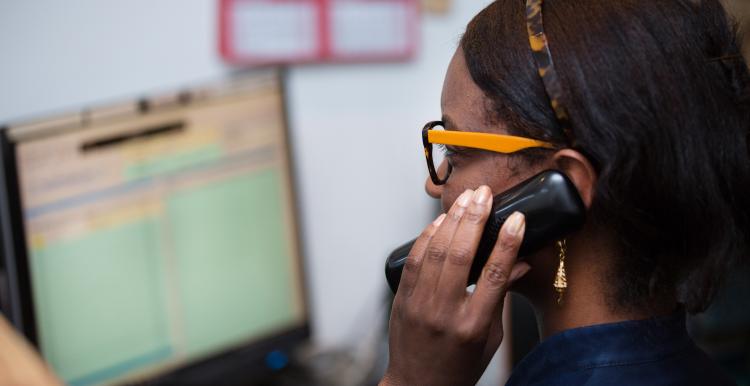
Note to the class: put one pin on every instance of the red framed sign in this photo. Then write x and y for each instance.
(260, 32)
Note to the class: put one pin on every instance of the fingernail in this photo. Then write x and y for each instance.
(464, 198)
(439, 220)
(482, 194)
(515, 222)
(518, 271)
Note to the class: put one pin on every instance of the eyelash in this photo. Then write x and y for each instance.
(445, 149)
(452, 155)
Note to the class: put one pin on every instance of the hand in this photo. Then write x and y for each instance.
(440, 334)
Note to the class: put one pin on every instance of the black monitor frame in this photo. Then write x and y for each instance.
(234, 366)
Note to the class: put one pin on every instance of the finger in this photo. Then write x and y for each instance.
(437, 249)
(463, 246)
(519, 270)
(410, 273)
(496, 274)
(495, 335)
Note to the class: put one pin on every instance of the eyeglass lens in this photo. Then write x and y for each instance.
(439, 153)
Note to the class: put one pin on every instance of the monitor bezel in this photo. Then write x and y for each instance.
(16, 293)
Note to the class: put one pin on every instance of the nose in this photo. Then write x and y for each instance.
(434, 191)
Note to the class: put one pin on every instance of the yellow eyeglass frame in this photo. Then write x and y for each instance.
(498, 143)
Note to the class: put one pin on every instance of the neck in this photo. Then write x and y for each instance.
(578, 310)
(588, 299)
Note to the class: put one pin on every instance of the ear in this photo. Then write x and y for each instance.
(580, 171)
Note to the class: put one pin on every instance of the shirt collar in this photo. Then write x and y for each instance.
(629, 342)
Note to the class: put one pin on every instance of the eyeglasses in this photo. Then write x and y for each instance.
(507, 144)
(498, 143)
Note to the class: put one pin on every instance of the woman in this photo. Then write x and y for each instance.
(643, 104)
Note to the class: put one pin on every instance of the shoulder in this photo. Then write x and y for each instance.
(690, 367)
(655, 351)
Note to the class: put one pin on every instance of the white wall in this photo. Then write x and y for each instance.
(355, 127)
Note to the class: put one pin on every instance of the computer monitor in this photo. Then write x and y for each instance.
(146, 238)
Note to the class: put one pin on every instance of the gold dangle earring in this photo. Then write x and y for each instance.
(561, 280)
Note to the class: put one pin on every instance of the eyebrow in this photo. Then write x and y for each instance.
(448, 123)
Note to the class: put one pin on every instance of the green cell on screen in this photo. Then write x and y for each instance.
(173, 162)
(99, 299)
(233, 260)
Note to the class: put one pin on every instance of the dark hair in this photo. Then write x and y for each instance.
(664, 122)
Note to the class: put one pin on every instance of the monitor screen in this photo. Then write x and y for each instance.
(163, 237)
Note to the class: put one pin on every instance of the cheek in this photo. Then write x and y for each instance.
(450, 194)
(494, 172)
(472, 177)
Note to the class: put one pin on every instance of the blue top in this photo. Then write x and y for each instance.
(655, 351)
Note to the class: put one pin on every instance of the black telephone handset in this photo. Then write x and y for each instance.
(553, 209)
